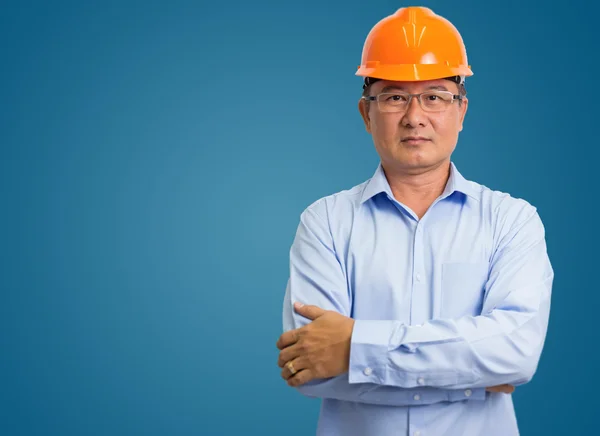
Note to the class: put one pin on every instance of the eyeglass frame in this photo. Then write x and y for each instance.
(455, 97)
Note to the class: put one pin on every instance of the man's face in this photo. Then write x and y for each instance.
(394, 132)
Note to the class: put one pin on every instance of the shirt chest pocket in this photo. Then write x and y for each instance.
(463, 288)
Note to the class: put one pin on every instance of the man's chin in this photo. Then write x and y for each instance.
(415, 163)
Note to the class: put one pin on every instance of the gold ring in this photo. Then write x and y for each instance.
(290, 368)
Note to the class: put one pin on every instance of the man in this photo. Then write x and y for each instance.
(426, 296)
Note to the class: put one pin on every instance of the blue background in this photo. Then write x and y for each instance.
(154, 163)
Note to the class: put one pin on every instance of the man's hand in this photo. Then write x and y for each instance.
(505, 389)
(320, 349)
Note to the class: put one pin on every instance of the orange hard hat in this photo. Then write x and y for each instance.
(414, 44)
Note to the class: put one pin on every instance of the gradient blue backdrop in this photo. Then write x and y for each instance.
(154, 163)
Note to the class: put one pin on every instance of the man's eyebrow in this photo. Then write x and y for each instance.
(400, 88)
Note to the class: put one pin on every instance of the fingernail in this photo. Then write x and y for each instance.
(298, 305)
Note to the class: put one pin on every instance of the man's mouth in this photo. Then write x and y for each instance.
(414, 140)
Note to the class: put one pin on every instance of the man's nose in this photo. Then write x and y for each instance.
(414, 115)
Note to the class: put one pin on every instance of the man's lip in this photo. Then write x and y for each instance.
(414, 138)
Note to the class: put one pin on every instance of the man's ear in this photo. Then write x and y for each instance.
(363, 108)
(463, 112)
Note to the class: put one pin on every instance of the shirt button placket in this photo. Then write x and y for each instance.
(420, 301)
(419, 310)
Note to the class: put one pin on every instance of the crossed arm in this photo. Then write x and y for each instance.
(388, 362)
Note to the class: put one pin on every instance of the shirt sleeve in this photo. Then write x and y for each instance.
(317, 278)
(502, 345)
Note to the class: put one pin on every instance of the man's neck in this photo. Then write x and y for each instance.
(418, 189)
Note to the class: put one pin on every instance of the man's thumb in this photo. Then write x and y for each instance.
(308, 311)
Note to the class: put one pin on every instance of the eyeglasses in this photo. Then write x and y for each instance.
(430, 101)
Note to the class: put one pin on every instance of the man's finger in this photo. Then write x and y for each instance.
(506, 389)
(288, 338)
(287, 354)
(308, 311)
(300, 378)
(292, 367)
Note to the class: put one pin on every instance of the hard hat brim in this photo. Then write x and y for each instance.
(413, 72)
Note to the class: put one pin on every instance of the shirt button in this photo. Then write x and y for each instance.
(417, 397)
(468, 392)
(417, 433)
(418, 277)
(368, 371)
(421, 381)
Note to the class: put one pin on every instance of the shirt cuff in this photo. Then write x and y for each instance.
(466, 394)
(369, 348)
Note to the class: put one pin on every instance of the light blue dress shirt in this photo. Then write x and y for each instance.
(444, 306)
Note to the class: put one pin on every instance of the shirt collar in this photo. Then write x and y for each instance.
(456, 183)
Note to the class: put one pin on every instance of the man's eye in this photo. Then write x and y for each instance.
(397, 98)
